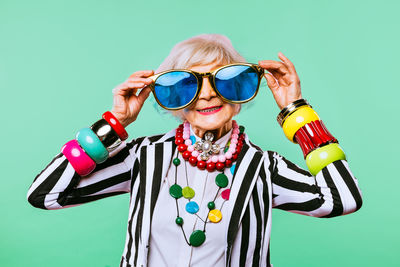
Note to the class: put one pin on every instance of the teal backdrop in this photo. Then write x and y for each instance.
(59, 61)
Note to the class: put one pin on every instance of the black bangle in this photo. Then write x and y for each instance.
(289, 109)
(108, 137)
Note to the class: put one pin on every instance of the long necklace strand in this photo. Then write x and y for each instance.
(198, 237)
(178, 220)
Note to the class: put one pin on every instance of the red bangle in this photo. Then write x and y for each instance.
(116, 125)
(313, 135)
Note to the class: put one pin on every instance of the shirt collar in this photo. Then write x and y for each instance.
(221, 141)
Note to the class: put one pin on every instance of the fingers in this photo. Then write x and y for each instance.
(274, 66)
(125, 88)
(143, 95)
(126, 101)
(271, 82)
(146, 81)
(287, 62)
(132, 85)
(142, 73)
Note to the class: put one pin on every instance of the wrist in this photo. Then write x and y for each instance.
(117, 124)
(121, 119)
(93, 145)
(290, 109)
(302, 125)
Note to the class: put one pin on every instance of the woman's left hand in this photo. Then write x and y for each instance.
(282, 79)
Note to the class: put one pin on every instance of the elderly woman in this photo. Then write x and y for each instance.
(202, 194)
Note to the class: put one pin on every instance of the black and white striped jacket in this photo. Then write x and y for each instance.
(262, 180)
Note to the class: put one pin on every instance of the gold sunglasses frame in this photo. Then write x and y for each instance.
(200, 75)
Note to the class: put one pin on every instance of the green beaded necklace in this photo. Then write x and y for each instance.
(197, 237)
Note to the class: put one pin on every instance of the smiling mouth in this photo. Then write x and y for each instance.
(209, 110)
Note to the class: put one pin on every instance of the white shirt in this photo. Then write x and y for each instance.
(167, 242)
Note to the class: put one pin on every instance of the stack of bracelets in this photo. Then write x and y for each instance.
(302, 125)
(93, 145)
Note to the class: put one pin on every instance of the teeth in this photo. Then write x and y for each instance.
(209, 109)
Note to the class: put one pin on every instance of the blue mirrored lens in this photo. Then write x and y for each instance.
(175, 89)
(237, 83)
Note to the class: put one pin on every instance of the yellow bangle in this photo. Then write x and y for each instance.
(298, 119)
(323, 156)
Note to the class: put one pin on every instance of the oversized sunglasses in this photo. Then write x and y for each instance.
(234, 83)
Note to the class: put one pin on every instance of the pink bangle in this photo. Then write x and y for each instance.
(116, 125)
(79, 160)
(313, 135)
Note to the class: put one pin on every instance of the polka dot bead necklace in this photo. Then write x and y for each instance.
(200, 154)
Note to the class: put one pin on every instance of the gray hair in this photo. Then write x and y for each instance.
(202, 49)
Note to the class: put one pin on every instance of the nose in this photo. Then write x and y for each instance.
(206, 91)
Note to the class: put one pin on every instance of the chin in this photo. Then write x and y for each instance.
(212, 123)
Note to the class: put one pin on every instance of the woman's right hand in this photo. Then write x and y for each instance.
(127, 104)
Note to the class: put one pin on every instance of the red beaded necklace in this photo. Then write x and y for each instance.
(191, 152)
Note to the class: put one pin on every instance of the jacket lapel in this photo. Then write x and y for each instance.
(244, 179)
(155, 161)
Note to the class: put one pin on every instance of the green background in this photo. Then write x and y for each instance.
(59, 61)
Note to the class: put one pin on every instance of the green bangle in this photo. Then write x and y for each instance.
(92, 145)
(323, 156)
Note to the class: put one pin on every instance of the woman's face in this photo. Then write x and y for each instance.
(209, 112)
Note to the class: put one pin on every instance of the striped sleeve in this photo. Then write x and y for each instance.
(334, 191)
(58, 186)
